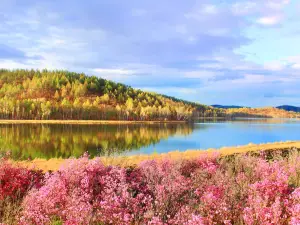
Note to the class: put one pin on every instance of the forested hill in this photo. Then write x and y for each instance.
(34, 94)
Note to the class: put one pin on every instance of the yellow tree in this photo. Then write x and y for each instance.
(129, 106)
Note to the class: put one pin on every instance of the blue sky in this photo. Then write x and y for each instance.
(213, 52)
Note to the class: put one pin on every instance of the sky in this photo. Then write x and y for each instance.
(208, 51)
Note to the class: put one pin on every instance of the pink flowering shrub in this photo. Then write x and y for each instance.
(169, 188)
(256, 188)
(85, 191)
(268, 198)
(186, 217)
(214, 205)
(16, 181)
(294, 208)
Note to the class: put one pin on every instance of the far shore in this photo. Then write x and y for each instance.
(88, 121)
(55, 163)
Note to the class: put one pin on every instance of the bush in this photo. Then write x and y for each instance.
(15, 182)
(240, 189)
(84, 192)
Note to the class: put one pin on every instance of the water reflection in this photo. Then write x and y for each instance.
(52, 141)
(49, 141)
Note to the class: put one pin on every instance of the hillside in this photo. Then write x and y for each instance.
(63, 95)
(270, 112)
(34, 94)
(289, 108)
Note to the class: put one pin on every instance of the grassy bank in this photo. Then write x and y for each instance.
(54, 164)
(85, 122)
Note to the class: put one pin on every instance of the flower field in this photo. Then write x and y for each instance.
(253, 188)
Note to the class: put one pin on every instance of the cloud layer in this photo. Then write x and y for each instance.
(226, 52)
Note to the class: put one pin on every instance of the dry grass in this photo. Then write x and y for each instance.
(9, 211)
(54, 164)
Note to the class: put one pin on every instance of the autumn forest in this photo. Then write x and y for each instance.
(63, 95)
(33, 94)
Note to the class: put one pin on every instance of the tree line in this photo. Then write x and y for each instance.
(44, 94)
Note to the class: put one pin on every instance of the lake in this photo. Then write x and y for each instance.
(28, 141)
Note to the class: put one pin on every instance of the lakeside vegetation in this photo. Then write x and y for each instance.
(96, 122)
(241, 189)
(133, 160)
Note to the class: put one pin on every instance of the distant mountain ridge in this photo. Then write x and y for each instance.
(284, 107)
(289, 108)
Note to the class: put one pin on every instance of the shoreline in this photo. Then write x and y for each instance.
(87, 122)
(55, 163)
(91, 122)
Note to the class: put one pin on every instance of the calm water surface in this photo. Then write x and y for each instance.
(48, 141)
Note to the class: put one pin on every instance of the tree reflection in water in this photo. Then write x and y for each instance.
(29, 141)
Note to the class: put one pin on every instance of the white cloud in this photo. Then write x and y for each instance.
(293, 61)
(244, 8)
(59, 41)
(117, 74)
(191, 39)
(113, 71)
(296, 66)
(168, 90)
(275, 65)
(202, 74)
(277, 4)
(269, 20)
(202, 11)
(10, 64)
(211, 65)
(261, 79)
(250, 78)
(31, 64)
(267, 12)
(209, 9)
